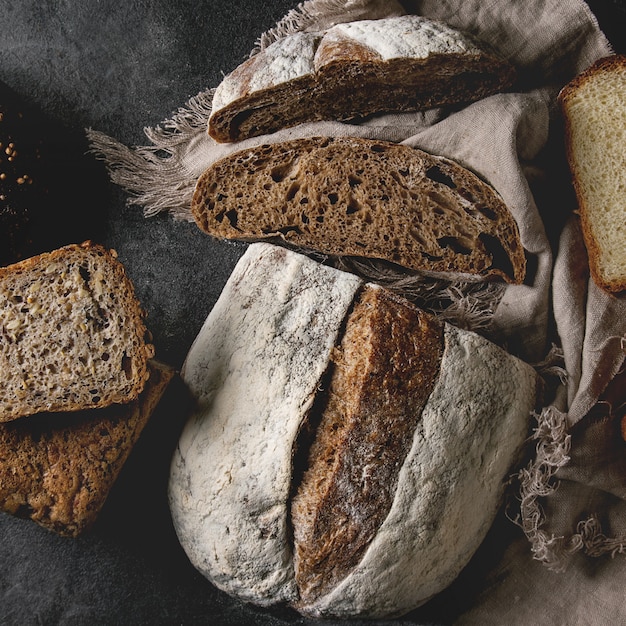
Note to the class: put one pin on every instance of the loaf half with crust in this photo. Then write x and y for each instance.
(72, 333)
(353, 70)
(361, 197)
(347, 452)
(58, 469)
(594, 111)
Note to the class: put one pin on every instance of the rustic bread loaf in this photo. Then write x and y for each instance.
(73, 333)
(352, 70)
(58, 469)
(347, 451)
(594, 111)
(359, 197)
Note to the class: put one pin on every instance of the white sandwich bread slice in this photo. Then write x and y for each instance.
(347, 452)
(347, 196)
(353, 70)
(594, 111)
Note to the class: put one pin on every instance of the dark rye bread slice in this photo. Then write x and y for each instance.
(353, 70)
(58, 469)
(365, 198)
(382, 375)
(72, 333)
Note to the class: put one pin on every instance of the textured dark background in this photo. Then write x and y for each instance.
(118, 67)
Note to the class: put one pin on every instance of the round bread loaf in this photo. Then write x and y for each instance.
(348, 452)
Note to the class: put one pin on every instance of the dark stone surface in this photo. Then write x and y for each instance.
(118, 67)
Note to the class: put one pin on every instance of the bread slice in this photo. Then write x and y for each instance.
(58, 469)
(594, 111)
(352, 70)
(415, 425)
(359, 197)
(72, 333)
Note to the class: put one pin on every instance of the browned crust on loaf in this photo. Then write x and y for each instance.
(352, 81)
(382, 375)
(137, 352)
(363, 198)
(58, 469)
(606, 64)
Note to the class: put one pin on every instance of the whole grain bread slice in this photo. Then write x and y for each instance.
(352, 70)
(58, 469)
(594, 111)
(363, 198)
(72, 333)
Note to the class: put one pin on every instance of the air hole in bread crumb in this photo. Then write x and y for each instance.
(127, 368)
(84, 274)
(455, 244)
(333, 198)
(499, 256)
(435, 174)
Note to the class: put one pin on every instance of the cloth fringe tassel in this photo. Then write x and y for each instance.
(537, 481)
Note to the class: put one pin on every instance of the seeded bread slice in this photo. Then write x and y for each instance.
(594, 110)
(353, 70)
(359, 197)
(72, 333)
(58, 469)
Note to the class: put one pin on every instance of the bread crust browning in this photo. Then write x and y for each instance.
(382, 374)
(353, 70)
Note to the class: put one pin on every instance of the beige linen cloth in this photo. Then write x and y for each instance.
(555, 554)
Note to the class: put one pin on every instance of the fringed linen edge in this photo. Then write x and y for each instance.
(152, 175)
(537, 480)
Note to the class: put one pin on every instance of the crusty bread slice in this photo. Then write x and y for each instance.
(72, 333)
(594, 111)
(352, 70)
(359, 197)
(58, 469)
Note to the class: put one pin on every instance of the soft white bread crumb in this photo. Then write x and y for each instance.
(594, 108)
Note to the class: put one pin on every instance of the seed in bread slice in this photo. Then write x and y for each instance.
(594, 111)
(72, 333)
(359, 197)
(352, 70)
(58, 469)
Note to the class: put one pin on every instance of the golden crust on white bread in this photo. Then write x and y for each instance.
(347, 452)
(352, 70)
(73, 333)
(348, 196)
(594, 111)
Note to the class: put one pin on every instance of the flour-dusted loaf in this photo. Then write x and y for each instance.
(360, 197)
(72, 333)
(347, 452)
(594, 111)
(58, 469)
(352, 70)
